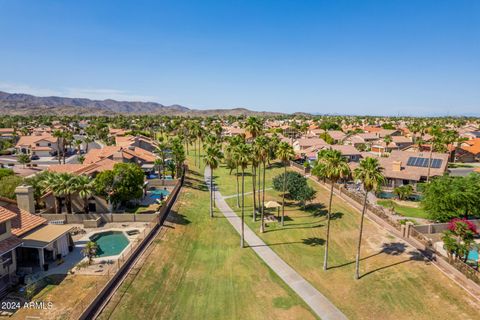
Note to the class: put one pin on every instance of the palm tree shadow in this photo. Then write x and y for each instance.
(391, 248)
(308, 241)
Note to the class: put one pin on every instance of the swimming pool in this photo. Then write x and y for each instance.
(158, 193)
(473, 255)
(110, 243)
(391, 195)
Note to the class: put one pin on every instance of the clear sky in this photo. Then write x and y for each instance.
(336, 57)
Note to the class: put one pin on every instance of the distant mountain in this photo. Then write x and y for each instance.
(25, 104)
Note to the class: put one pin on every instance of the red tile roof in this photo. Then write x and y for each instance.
(23, 221)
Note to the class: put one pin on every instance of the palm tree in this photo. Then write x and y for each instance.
(243, 157)
(388, 139)
(285, 153)
(90, 251)
(333, 166)
(85, 189)
(23, 159)
(254, 126)
(370, 173)
(263, 146)
(212, 158)
(60, 142)
(254, 158)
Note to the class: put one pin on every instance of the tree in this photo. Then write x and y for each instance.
(263, 146)
(84, 187)
(403, 192)
(445, 198)
(285, 153)
(8, 185)
(370, 173)
(123, 183)
(332, 166)
(459, 238)
(296, 186)
(242, 153)
(212, 157)
(90, 251)
(23, 159)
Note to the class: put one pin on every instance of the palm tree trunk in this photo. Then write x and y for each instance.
(243, 211)
(259, 187)
(325, 259)
(254, 182)
(57, 205)
(357, 260)
(283, 195)
(195, 153)
(429, 162)
(211, 192)
(262, 229)
(238, 192)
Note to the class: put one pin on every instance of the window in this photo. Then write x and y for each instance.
(49, 144)
(3, 228)
(37, 144)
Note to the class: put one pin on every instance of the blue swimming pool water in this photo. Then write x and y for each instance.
(110, 243)
(157, 193)
(390, 195)
(473, 255)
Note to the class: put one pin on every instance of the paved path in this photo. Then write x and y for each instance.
(315, 300)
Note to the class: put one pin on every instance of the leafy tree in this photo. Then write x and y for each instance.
(459, 238)
(445, 198)
(8, 185)
(370, 173)
(23, 159)
(4, 172)
(120, 185)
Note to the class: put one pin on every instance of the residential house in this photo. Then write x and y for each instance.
(7, 133)
(349, 152)
(468, 151)
(398, 143)
(302, 144)
(27, 242)
(139, 141)
(403, 168)
(42, 145)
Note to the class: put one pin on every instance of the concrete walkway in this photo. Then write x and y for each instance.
(312, 297)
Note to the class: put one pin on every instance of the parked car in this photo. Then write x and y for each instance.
(34, 157)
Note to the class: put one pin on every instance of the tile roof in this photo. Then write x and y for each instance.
(23, 221)
(31, 140)
(6, 214)
(472, 146)
(9, 244)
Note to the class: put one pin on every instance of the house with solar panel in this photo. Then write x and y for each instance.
(410, 168)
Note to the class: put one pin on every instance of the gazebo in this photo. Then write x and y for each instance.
(273, 204)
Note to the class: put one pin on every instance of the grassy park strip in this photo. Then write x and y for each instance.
(406, 211)
(396, 282)
(196, 269)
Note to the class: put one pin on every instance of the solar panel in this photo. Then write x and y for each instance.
(423, 162)
(437, 163)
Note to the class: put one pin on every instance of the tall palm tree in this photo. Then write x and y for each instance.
(212, 158)
(254, 158)
(370, 173)
(333, 166)
(60, 142)
(84, 187)
(285, 153)
(263, 146)
(254, 126)
(243, 158)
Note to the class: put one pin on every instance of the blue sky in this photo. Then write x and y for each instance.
(335, 57)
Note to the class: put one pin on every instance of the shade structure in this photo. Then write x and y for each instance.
(272, 204)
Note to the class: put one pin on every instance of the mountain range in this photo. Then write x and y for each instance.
(26, 104)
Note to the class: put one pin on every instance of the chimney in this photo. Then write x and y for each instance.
(25, 199)
(397, 166)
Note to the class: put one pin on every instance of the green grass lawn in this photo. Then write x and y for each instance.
(396, 283)
(406, 211)
(197, 270)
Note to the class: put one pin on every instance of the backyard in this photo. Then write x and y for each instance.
(196, 267)
(396, 282)
(404, 210)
